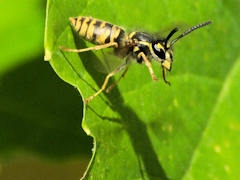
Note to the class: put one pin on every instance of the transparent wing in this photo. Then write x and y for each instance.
(165, 30)
(107, 61)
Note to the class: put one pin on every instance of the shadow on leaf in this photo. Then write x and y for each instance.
(133, 125)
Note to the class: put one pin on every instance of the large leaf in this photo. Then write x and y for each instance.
(143, 129)
(220, 142)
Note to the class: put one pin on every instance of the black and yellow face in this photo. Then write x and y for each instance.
(163, 53)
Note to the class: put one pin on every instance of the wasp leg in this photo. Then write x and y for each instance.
(115, 83)
(164, 77)
(123, 74)
(106, 81)
(148, 64)
(111, 44)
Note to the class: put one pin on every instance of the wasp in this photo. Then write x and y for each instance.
(140, 46)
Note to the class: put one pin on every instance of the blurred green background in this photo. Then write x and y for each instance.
(40, 115)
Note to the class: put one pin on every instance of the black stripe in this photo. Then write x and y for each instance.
(82, 19)
(107, 40)
(137, 52)
(108, 26)
(75, 21)
(90, 20)
(140, 60)
(96, 26)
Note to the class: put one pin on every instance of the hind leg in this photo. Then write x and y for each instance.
(106, 81)
(111, 44)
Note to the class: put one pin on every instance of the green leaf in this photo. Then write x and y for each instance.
(220, 142)
(144, 129)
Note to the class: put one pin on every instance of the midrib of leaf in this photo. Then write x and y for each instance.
(222, 92)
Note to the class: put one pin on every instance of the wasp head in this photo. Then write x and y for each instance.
(162, 51)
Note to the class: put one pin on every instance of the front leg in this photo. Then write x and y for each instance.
(148, 64)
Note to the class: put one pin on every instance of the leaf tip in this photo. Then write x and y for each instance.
(48, 55)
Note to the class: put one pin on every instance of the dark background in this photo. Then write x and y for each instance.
(40, 115)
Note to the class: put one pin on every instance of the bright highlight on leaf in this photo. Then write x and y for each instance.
(48, 55)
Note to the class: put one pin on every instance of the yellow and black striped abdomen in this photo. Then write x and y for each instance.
(97, 31)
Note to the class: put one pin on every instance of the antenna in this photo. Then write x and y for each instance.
(170, 35)
(190, 30)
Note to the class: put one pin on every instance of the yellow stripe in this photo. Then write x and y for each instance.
(139, 55)
(84, 27)
(160, 46)
(115, 33)
(135, 49)
(101, 39)
(131, 35)
(144, 43)
(102, 25)
(103, 34)
(78, 23)
(151, 49)
(91, 29)
(114, 29)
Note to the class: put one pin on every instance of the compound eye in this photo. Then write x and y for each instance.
(159, 51)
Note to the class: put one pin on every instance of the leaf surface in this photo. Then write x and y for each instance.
(144, 129)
